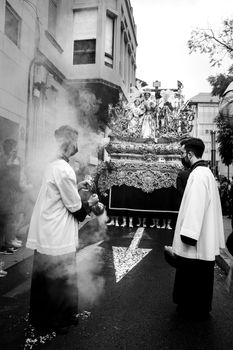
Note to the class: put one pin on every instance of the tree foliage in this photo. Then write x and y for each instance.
(216, 45)
(220, 82)
(225, 140)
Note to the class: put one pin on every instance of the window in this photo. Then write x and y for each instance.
(125, 60)
(12, 24)
(122, 54)
(52, 17)
(85, 29)
(109, 41)
(84, 51)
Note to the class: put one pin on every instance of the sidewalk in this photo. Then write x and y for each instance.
(224, 260)
(13, 259)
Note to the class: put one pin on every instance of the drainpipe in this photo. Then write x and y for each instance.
(31, 66)
(28, 107)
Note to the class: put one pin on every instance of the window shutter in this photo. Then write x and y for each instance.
(12, 24)
(109, 36)
(52, 17)
(85, 24)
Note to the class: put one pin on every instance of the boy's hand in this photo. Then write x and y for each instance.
(84, 185)
(169, 249)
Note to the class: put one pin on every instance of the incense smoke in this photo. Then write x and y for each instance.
(49, 109)
(90, 261)
(90, 280)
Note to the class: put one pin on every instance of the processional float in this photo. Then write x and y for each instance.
(139, 178)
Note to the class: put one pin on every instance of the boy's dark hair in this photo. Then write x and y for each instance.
(182, 142)
(66, 132)
(194, 145)
(65, 135)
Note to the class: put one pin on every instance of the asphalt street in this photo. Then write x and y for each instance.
(133, 308)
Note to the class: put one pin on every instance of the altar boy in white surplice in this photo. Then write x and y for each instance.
(53, 235)
(198, 236)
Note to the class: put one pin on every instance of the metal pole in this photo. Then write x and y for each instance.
(213, 151)
(156, 85)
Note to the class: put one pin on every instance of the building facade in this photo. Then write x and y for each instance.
(204, 127)
(62, 62)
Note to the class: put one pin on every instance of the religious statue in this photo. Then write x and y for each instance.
(135, 115)
(143, 116)
(148, 123)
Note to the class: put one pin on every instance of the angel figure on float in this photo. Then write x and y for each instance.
(148, 118)
(167, 107)
(135, 114)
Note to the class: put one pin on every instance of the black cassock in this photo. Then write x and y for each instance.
(193, 287)
(54, 289)
(54, 294)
